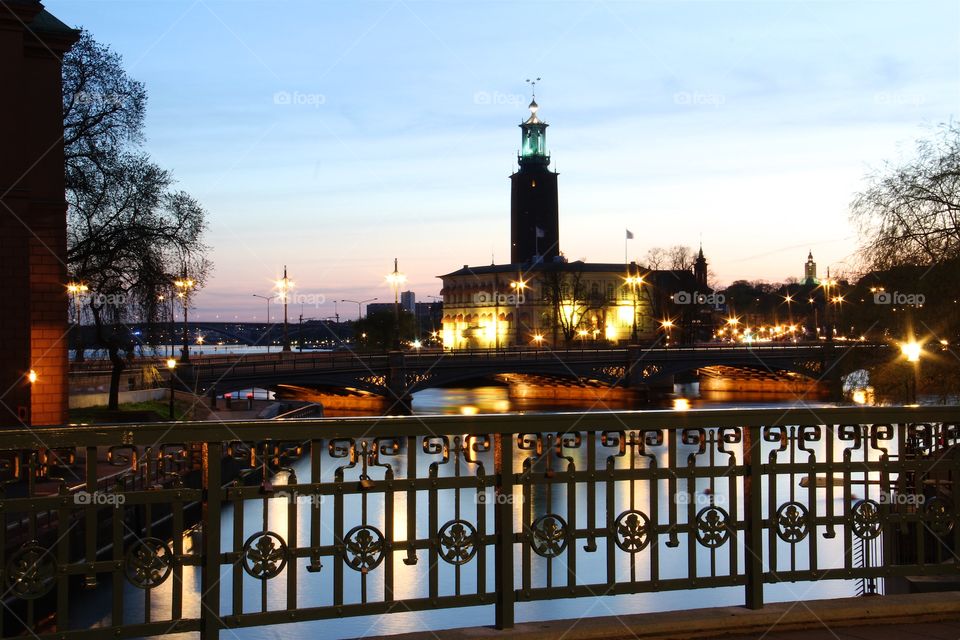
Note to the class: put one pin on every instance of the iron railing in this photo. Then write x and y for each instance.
(206, 526)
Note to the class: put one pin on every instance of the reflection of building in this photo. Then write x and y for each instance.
(540, 297)
(33, 232)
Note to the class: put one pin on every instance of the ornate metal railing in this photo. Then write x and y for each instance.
(203, 526)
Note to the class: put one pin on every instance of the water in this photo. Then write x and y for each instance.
(316, 588)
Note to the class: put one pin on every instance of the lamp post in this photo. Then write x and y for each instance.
(667, 326)
(171, 367)
(396, 279)
(266, 328)
(360, 304)
(911, 351)
(284, 285)
(184, 286)
(76, 290)
(518, 286)
(635, 282)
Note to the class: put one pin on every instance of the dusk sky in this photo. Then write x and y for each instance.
(335, 136)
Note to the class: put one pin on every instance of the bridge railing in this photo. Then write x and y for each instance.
(258, 523)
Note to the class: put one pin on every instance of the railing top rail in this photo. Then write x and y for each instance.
(369, 427)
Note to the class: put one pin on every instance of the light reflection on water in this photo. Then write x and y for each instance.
(315, 589)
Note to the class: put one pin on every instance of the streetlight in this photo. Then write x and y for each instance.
(76, 290)
(583, 333)
(634, 282)
(518, 286)
(360, 304)
(266, 328)
(667, 326)
(283, 286)
(171, 366)
(538, 339)
(396, 279)
(184, 285)
(912, 351)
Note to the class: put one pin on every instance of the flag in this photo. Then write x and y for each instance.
(540, 233)
(629, 234)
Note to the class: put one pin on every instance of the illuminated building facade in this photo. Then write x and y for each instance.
(541, 299)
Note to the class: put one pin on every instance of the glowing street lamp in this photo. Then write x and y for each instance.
(184, 285)
(171, 366)
(911, 351)
(538, 339)
(667, 325)
(283, 288)
(32, 377)
(396, 280)
(76, 291)
(634, 282)
(519, 286)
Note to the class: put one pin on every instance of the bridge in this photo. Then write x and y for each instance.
(396, 375)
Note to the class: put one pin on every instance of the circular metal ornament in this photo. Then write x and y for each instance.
(939, 516)
(148, 563)
(264, 555)
(713, 527)
(792, 521)
(31, 571)
(866, 519)
(632, 530)
(548, 535)
(363, 548)
(458, 542)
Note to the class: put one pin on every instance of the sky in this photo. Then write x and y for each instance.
(334, 136)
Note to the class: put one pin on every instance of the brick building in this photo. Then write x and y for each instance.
(33, 273)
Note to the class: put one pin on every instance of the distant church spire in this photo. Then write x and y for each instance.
(810, 270)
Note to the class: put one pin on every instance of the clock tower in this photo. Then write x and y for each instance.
(534, 208)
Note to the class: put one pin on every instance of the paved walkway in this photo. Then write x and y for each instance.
(946, 630)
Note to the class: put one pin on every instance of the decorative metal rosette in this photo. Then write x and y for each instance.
(866, 519)
(939, 516)
(363, 548)
(792, 522)
(548, 535)
(148, 563)
(457, 540)
(632, 531)
(31, 571)
(713, 527)
(264, 555)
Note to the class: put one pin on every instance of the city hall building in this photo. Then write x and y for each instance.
(541, 299)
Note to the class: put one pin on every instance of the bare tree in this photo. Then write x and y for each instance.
(908, 215)
(656, 258)
(570, 301)
(128, 231)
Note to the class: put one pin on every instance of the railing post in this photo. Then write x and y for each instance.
(503, 529)
(210, 621)
(753, 502)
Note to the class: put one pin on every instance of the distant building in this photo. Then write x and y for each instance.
(810, 270)
(408, 301)
(541, 298)
(379, 307)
